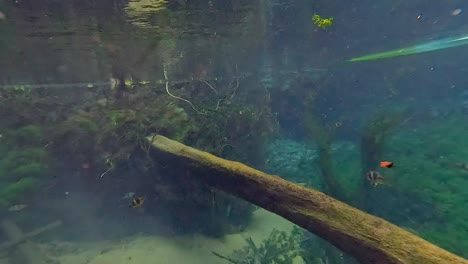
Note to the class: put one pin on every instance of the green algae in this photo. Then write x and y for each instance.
(432, 190)
(23, 164)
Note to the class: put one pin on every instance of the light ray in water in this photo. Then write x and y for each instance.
(420, 48)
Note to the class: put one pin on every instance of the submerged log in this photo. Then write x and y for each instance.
(30, 253)
(18, 238)
(366, 237)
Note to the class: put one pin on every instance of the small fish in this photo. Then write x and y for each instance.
(228, 210)
(128, 195)
(456, 12)
(375, 178)
(386, 164)
(463, 166)
(137, 202)
(17, 207)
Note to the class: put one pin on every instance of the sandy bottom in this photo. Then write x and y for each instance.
(183, 249)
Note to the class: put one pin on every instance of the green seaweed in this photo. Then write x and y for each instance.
(431, 189)
(23, 163)
(18, 189)
(279, 248)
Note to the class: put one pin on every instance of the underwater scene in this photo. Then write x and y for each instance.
(233, 131)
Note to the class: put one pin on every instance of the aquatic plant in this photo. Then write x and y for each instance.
(23, 164)
(426, 171)
(111, 132)
(279, 248)
(229, 132)
(323, 138)
(322, 22)
(322, 135)
(137, 10)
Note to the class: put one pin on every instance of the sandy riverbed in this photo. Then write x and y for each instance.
(195, 249)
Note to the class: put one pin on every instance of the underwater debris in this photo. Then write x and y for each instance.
(17, 207)
(109, 163)
(128, 195)
(456, 12)
(177, 97)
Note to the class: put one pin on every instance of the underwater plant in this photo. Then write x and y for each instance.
(23, 164)
(322, 135)
(279, 248)
(109, 141)
(322, 22)
(432, 189)
(110, 131)
(229, 132)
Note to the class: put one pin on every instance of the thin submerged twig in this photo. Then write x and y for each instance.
(209, 85)
(177, 97)
(237, 83)
(224, 257)
(217, 104)
(108, 163)
(109, 169)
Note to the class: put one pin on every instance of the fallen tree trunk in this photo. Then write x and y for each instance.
(368, 238)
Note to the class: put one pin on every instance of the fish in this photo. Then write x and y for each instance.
(463, 166)
(17, 207)
(137, 202)
(386, 164)
(375, 178)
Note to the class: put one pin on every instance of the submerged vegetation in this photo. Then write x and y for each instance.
(23, 165)
(322, 22)
(279, 248)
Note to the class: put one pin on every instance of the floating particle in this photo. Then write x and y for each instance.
(456, 12)
(17, 207)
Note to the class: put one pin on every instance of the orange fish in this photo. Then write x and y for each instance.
(386, 164)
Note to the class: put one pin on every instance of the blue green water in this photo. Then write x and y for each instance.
(83, 83)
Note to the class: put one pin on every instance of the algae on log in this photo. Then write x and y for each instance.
(368, 238)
